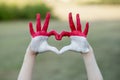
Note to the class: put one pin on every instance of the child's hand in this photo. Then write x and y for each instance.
(39, 38)
(79, 42)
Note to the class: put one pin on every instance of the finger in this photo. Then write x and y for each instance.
(71, 23)
(38, 22)
(31, 29)
(64, 49)
(46, 23)
(65, 33)
(78, 23)
(53, 49)
(86, 29)
(53, 32)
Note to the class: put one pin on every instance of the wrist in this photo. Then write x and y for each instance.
(29, 51)
(89, 53)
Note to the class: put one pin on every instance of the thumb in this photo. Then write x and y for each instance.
(64, 49)
(53, 49)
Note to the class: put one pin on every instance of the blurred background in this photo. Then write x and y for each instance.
(104, 37)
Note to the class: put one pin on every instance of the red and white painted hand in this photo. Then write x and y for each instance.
(78, 38)
(39, 38)
(79, 42)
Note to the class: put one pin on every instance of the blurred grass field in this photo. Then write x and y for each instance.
(104, 37)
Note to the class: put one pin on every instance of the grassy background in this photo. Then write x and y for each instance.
(104, 36)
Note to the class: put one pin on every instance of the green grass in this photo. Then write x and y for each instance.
(104, 37)
(13, 12)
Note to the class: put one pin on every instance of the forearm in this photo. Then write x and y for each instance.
(27, 67)
(92, 68)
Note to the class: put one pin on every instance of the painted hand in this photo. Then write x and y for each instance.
(39, 38)
(79, 42)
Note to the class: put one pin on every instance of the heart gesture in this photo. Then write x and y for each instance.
(78, 43)
(78, 38)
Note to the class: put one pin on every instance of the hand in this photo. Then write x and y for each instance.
(79, 42)
(39, 38)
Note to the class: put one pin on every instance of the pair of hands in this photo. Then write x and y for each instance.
(39, 42)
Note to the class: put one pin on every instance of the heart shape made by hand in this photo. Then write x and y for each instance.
(78, 38)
